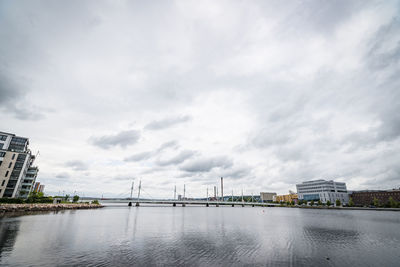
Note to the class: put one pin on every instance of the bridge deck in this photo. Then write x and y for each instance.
(202, 202)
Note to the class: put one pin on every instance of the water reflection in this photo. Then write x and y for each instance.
(199, 236)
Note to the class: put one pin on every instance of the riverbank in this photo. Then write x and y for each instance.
(46, 207)
(342, 208)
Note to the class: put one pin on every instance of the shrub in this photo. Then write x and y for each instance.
(75, 198)
(328, 203)
(338, 203)
(96, 202)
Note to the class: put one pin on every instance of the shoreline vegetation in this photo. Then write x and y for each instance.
(46, 207)
(39, 202)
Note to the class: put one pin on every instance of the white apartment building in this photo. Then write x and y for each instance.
(323, 190)
(15, 161)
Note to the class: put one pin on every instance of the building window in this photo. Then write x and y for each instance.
(9, 165)
(6, 174)
(1, 162)
(3, 137)
(2, 154)
(13, 156)
(2, 183)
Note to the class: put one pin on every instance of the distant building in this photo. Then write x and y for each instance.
(36, 187)
(287, 198)
(15, 161)
(365, 198)
(41, 188)
(323, 190)
(267, 196)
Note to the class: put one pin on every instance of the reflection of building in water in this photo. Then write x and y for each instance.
(323, 190)
(8, 234)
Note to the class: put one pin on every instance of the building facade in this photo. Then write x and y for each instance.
(366, 198)
(15, 162)
(323, 190)
(267, 196)
(287, 198)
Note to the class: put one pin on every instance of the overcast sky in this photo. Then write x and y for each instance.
(266, 94)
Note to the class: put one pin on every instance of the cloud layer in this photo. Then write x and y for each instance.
(264, 93)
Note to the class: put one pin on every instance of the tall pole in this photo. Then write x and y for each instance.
(207, 193)
(242, 194)
(184, 191)
(232, 195)
(222, 188)
(140, 187)
(138, 195)
(215, 192)
(175, 193)
(131, 190)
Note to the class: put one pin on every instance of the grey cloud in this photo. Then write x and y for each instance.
(148, 154)
(122, 139)
(63, 175)
(206, 164)
(170, 144)
(181, 157)
(77, 165)
(140, 156)
(12, 99)
(167, 122)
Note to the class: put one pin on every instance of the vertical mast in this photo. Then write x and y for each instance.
(131, 190)
(175, 193)
(184, 191)
(222, 188)
(140, 186)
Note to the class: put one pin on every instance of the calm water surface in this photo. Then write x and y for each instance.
(200, 236)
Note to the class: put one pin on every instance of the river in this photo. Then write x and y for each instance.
(201, 236)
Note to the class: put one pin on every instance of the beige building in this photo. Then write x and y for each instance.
(267, 196)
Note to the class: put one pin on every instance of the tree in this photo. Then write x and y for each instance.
(338, 203)
(351, 202)
(328, 203)
(319, 202)
(66, 197)
(76, 198)
(312, 203)
(392, 202)
(376, 202)
(292, 203)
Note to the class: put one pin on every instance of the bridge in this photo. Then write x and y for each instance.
(206, 203)
(217, 200)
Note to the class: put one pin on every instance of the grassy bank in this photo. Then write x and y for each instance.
(46, 207)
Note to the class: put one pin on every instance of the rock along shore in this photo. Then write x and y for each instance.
(45, 207)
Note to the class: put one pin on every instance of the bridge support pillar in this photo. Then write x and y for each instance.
(252, 205)
(183, 205)
(216, 205)
(173, 204)
(130, 204)
(233, 205)
(207, 205)
(242, 205)
(137, 204)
